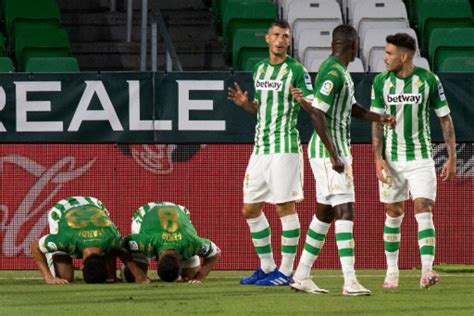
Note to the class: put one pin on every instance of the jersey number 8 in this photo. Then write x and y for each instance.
(168, 219)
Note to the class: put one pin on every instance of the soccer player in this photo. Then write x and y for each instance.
(275, 170)
(81, 227)
(403, 156)
(164, 230)
(331, 160)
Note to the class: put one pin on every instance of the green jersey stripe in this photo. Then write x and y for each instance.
(408, 128)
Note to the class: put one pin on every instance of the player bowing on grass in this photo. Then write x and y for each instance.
(274, 173)
(403, 156)
(81, 227)
(163, 230)
(331, 161)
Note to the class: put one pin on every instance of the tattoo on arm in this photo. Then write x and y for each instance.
(448, 134)
(377, 140)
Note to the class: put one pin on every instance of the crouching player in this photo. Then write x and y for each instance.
(163, 230)
(81, 227)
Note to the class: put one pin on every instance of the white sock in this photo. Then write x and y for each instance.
(290, 237)
(426, 240)
(261, 238)
(392, 237)
(345, 246)
(315, 238)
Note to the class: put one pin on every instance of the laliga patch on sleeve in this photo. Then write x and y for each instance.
(132, 244)
(441, 92)
(307, 82)
(204, 250)
(326, 87)
(52, 246)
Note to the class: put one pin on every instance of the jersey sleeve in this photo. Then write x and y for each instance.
(438, 99)
(139, 243)
(328, 83)
(51, 243)
(206, 248)
(303, 82)
(376, 97)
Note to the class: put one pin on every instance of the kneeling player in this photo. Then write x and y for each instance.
(81, 227)
(163, 230)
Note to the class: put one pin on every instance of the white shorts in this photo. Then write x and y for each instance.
(333, 188)
(274, 178)
(416, 178)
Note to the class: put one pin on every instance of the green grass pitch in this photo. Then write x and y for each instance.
(24, 293)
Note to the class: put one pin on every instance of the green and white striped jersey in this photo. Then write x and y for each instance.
(409, 100)
(277, 111)
(334, 95)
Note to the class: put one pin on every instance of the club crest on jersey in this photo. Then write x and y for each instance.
(441, 92)
(394, 99)
(270, 85)
(307, 82)
(326, 87)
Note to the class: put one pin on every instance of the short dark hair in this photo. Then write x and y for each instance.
(345, 33)
(169, 267)
(95, 269)
(402, 40)
(280, 23)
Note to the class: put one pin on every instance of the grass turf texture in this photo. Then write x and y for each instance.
(24, 293)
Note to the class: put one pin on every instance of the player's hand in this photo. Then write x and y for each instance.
(297, 94)
(388, 120)
(337, 164)
(381, 170)
(236, 95)
(53, 280)
(449, 170)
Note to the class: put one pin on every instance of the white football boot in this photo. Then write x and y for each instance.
(354, 288)
(307, 285)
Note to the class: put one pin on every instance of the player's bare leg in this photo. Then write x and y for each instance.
(392, 237)
(63, 267)
(426, 241)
